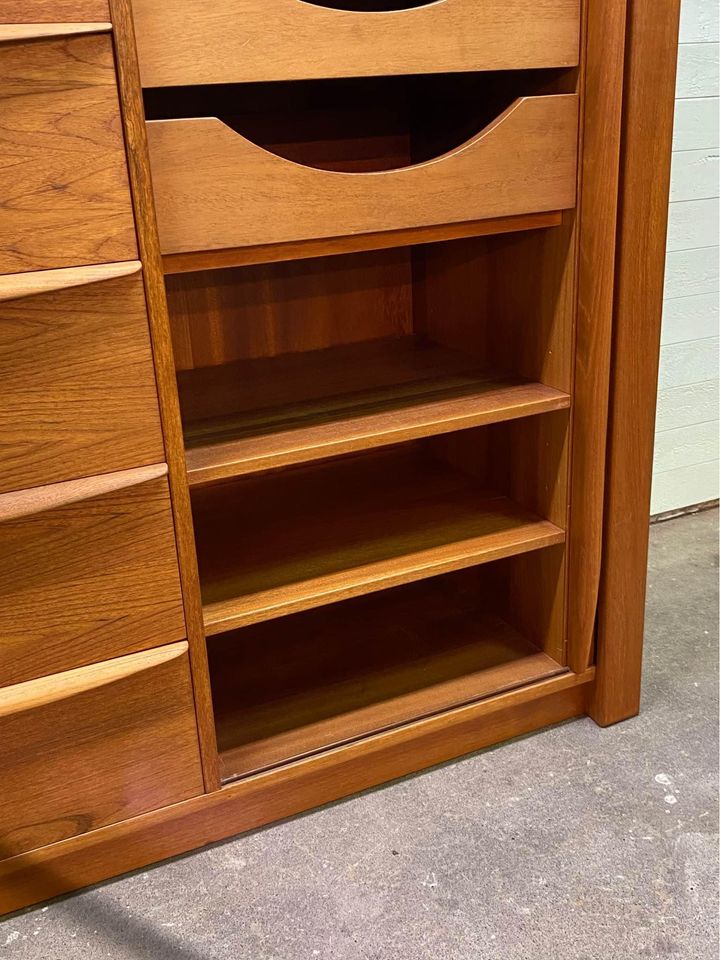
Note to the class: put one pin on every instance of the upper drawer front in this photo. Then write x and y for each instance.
(88, 570)
(78, 390)
(214, 189)
(54, 11)
(93, 746)
(63, 178)
(231, 41)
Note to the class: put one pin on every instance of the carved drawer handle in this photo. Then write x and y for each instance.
(25, 503)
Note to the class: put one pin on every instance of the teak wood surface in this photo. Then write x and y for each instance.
(296, 685)
(75, 586)
(184, 42)
(95, 746)
(651, 58)
(384, 240)
(63, 180)
(53, 11)
(133, 120)
(109, 701)
(252, 416)
(215, 189)
(269, 546)
(78, 393)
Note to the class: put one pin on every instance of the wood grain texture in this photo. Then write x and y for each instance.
(95, 746)
(248, 804)
(646, 141)
(277, 544)
(74, 582)
(53, 11)
(392, 392)
(36, 31)
(78, 386)
(202, 170)
(232, 43)
(262, 311)
(305, 249)
(133, 119)
(13, 286)
(598, 204)
(63, 181)
(26, 503)
(293, 686)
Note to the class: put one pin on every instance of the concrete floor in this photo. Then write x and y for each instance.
(573, 844)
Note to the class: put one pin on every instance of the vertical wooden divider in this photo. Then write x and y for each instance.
(645, 170)
(604, 29)
(141, 187)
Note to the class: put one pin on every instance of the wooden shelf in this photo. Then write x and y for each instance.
(307, 536)
(291, 687)
(335, 401)
(355, 243)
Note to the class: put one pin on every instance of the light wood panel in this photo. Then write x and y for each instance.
(646, 140)
(64, 182)
(181, 42)
(36, 31)
(298, 684)
(133, 120)
(93, 746)
(248, 804)
(203, 171)
(53, 11)
(88, 570)
(78, 390)
(251, 416)
(312, 535)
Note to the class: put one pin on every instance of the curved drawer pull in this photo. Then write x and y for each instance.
(38, 31)
(13, 286)
(33, 694)
(372, 6)
(25, 503)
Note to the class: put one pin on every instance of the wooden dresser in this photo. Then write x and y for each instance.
(328, 351)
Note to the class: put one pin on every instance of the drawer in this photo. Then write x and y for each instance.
(78, 387)
(88, 571)
(241, 40)
(63, 180)
(215, 189)
(93, 746)
(39, 12)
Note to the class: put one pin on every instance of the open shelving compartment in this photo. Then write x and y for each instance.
(377, 425)
(290, 687)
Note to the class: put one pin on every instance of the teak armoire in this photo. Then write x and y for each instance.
(328, 352)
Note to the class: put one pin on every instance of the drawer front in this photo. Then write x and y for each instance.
(94, 746)
(88, 571)
(78, 387)
(214, 189)
(54, 11)
(186, 42)
(63, 181)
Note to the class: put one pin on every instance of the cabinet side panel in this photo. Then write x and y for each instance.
(645, 184)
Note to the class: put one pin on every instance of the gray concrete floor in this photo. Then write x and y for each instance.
(573, 844)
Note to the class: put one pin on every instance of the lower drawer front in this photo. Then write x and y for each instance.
(88, 571)
(78, 393)
(93, 746)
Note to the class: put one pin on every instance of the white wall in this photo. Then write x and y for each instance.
(686, 440)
